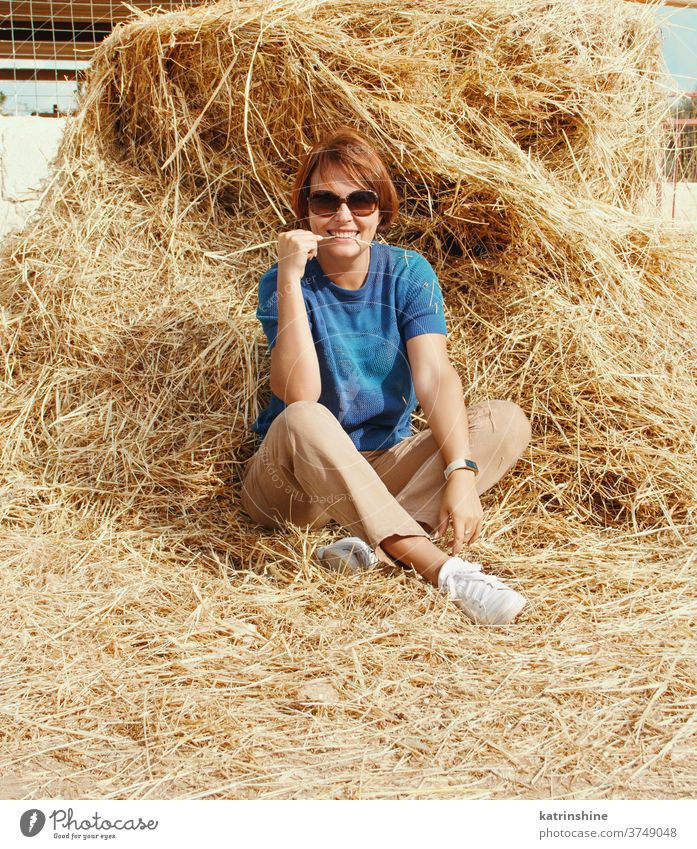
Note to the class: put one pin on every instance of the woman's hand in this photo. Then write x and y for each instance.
(461, 508)
(294, 249)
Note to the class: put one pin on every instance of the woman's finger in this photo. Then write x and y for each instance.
(467, 533)
(459, 535)
(443, 520)
(475, 532)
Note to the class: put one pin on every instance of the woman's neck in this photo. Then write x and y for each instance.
(351, 276)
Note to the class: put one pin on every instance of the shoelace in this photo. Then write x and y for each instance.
(366, 555)
(476, 574)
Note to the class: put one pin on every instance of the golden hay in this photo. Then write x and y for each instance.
(160, 645)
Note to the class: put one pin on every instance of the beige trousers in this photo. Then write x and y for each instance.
(308, 471)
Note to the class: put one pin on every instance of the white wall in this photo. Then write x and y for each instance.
(682, 197)
(27, 146)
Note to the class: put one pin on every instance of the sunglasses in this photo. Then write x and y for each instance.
(361, 202)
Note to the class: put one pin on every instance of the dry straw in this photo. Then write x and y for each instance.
(157, 643)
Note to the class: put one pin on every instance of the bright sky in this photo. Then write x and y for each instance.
(680, 45)
(680, 52)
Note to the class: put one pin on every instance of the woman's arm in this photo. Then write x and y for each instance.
(439, 391)
(295, 374)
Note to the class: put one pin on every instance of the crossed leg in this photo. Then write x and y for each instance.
(308, 471)
(499, 432)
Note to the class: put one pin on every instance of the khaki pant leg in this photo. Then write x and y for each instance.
(308, 471)
(412, 470)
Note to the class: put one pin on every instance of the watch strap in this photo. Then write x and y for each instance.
(461, 463)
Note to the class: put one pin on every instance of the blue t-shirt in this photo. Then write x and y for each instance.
(360, 338)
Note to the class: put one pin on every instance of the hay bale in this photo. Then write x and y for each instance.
(522, 140)
(132, 359)
(575, 89)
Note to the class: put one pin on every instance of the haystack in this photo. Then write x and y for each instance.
(523, 141)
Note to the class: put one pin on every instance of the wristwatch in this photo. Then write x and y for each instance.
(461, 464)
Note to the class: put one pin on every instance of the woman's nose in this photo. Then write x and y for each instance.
(343, 213)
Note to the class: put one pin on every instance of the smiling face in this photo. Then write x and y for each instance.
(337, 250)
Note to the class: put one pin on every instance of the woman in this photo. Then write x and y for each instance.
(356, 333)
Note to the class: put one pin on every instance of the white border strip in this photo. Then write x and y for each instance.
(45, 64)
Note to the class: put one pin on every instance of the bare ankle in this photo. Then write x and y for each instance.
(418, 552)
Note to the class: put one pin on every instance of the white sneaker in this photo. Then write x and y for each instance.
(482, 598)
(351, 554)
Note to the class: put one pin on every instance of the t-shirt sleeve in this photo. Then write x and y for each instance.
(267, 310)
(422, 308)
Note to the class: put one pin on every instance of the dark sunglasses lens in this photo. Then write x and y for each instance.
(324, 203)
(362, 203)
(359, 202)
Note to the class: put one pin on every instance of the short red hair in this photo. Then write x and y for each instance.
(362, 163)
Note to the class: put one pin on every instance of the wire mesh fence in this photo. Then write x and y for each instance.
(681, 150)
(45, 48)
(677, 190)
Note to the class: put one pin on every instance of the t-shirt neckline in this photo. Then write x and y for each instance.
(339, 290)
